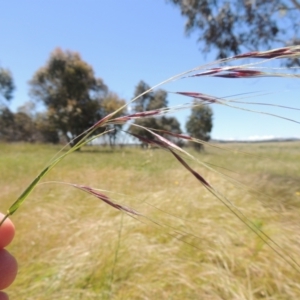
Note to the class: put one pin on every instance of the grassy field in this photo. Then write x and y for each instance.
(187, 244)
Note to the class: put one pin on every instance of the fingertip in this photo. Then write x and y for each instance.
(7, 232)
(3, 296)
(8, 269)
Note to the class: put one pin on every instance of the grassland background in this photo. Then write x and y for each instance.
(70, 245)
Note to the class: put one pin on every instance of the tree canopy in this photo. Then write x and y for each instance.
(6, 84)
(151, 101)
(26, 125)
(110, 104)
(199, 124)
(68, 87)
(232, 27)
(6, 124)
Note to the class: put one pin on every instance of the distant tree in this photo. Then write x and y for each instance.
(199, 124)
(108, 105)
(6, 116)
(26, 125)
(47, 133)
(152, 101)
(150, 123)
(15, 127)
(27, 108)
(142, 103)
(6, 124)
(235, 26)
(68, 87)
(6, 84)
(170, 124)
(24, 128)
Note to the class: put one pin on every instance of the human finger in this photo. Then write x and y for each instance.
(3, 296)
(7, 232)
(8, 269)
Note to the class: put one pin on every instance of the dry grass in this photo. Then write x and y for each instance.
(72, 246)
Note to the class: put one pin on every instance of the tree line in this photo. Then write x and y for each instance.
(74, 99)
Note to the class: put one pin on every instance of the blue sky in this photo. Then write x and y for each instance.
(131, 40)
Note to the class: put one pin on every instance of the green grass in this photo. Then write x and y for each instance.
(70, 245)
